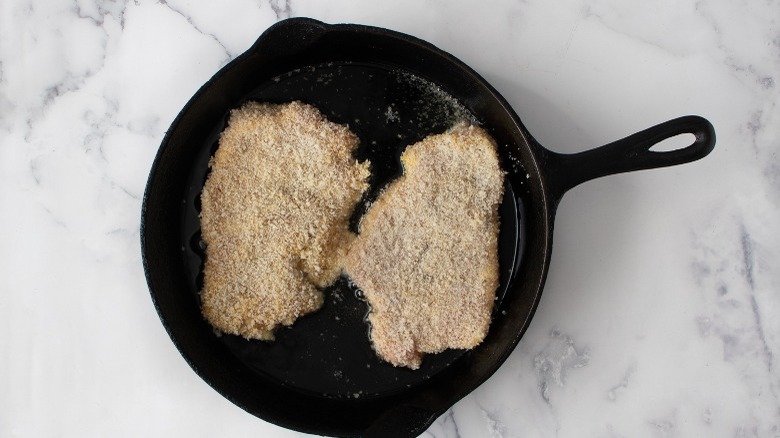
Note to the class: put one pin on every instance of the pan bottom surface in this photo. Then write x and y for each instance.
(328, 353)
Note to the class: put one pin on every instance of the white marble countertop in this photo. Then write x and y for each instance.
(659, 317)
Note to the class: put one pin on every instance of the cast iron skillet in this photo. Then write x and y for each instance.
(321, 376)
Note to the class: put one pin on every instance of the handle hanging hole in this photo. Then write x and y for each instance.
(677, 142)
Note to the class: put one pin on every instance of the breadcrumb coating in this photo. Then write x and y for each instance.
(275, 216)
(426, 257)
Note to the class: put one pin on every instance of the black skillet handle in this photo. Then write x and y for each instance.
(565, 171)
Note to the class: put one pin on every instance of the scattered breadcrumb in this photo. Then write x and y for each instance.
(426, 257)
(275, 214)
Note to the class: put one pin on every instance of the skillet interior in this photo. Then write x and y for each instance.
(321, 375)
(328, 352)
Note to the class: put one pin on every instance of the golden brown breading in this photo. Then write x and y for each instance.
(275, 214)
(426, 257)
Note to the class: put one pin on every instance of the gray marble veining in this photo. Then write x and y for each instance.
(659, 318)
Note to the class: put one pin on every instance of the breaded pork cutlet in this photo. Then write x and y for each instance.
(275, 213)
(426, 257)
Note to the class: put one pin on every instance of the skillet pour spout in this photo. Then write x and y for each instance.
(321, 377)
